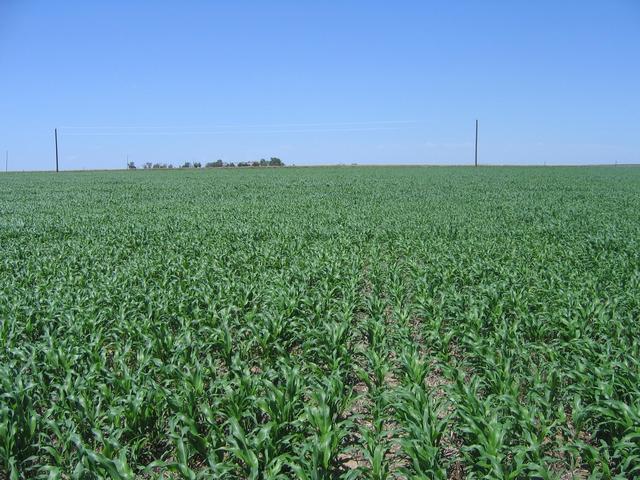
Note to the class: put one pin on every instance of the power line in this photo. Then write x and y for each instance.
(236, 126)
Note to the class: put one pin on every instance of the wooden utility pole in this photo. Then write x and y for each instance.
(55, 131)
(476, 163)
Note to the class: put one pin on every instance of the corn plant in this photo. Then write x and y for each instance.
(320, 323)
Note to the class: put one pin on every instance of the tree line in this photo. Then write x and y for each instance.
(263, 162)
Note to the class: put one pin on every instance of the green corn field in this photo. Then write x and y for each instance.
(321, 323)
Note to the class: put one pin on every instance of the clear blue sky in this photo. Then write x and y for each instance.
(319, 82)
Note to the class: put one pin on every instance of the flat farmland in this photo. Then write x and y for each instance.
(317, 323)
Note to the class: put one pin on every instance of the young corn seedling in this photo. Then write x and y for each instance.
(422, 433)
(414, 367)
(321, 451)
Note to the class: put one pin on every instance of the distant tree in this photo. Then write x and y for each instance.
(197, 164)
(186, 165)
(217, 163)
(263, 162)
(255, 164)
(148, 165)
(156, 165)
(131, 165)
(275, 162)
(244, 164)
(230, 164)
(170, 165)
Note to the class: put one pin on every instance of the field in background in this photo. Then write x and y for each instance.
(321, 323)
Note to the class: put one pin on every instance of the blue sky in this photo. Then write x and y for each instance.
(319, 82)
